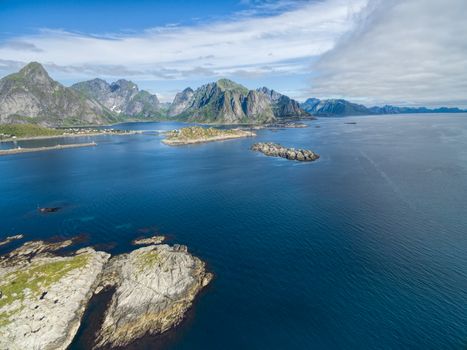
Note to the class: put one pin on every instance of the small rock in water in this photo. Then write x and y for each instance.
(150, 240)
(10, 239)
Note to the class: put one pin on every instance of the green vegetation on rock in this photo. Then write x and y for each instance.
(34, 279)
(148, 259)
(197, 132)
(26, 130)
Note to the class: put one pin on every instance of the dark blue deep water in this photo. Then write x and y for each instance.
(364, 249)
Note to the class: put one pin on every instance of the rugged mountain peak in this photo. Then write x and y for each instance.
(181, 102)
(229, 85)
(33, 68)
(121, 97)
(32, 95)
(188, 90)
(123, 84)
(273, 95)
(33, 73)
(283, 106)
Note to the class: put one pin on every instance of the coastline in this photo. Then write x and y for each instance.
(43, 149)
(32, 138)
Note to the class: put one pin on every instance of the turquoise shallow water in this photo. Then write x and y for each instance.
(364, 249)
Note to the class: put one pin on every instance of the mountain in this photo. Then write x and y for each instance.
(225, 101)
(121, 97)
(31, 95)
(283, 106)
(338, 107)
(341, 107)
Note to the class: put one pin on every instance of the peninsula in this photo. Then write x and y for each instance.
(23, 132)
(197, 134)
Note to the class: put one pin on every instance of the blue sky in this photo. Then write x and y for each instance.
(362, 50)
(87, 16)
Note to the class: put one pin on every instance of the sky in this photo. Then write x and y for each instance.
(402, 52)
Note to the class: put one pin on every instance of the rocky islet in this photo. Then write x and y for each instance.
(277, 150)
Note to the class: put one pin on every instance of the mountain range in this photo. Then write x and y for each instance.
(227, 102)
(31, 95)
(341, 108)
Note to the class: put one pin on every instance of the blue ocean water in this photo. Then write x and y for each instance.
(365, 248)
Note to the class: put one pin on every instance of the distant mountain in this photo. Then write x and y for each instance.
(225, 101)
(341, 107)
(399, 110)
(121, 97)
(32, 96)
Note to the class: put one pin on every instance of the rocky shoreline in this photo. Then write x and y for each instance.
(43, 295)
(111, 132)
(277, 150)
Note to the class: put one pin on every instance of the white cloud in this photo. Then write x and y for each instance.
(252, 44)
(403, 52)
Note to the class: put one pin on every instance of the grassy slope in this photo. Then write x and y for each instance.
(27, 130)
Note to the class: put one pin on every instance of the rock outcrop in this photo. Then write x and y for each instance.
(10, 239)
(122, 97)
(43, 296)
(32, 96)
(276, 150)
(155, 286)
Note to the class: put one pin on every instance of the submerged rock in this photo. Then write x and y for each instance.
(48, 210)
(155, 286)
(43, 298)
(276, 150)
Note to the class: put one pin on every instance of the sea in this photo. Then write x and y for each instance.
(365, 248)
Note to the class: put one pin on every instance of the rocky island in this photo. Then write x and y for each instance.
(276, 150)
(44, 294)
(197, 134)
